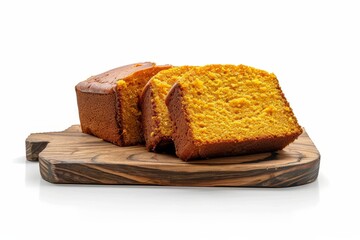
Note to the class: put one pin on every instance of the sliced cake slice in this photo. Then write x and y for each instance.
(224, 110)
(108, 103)
(156, 121)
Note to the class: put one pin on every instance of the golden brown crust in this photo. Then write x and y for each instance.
(150, 124)
(97, 114)
(104, 83)
(187, 148)
(182, 136)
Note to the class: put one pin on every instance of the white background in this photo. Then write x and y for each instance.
(47, 47)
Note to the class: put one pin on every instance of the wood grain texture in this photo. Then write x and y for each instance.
(73, 157)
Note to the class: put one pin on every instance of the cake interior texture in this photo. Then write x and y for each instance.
(159, 86)
(233, 104)
(129, 90)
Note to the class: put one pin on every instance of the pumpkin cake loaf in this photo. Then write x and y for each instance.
(108, 103)
(156, 121)
(223, 110)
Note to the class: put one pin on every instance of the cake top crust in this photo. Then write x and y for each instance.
(106, 82)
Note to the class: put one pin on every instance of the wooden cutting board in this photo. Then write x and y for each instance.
(73, 157)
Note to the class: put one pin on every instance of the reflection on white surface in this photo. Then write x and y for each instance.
(32, 173)
(131, 198)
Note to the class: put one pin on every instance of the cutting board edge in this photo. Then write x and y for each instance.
(52, 172)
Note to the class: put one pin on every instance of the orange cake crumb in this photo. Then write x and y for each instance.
(220, 110)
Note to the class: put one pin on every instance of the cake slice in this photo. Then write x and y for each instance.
(224, 110)
(108, 103)
(156, 121)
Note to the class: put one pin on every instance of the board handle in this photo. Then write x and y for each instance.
(36, 142)
(34, 148)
